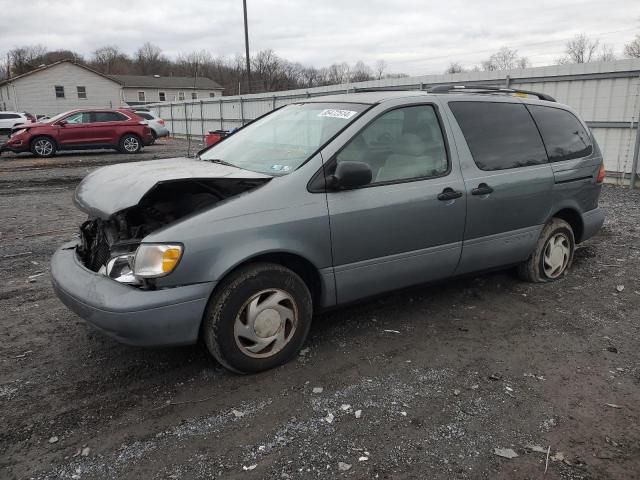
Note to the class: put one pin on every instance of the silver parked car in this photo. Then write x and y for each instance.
(156, 124)
(326, 202)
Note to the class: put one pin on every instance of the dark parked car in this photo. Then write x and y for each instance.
(120, 129)
(326, 202)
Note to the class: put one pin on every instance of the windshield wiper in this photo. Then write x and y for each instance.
(218, 161)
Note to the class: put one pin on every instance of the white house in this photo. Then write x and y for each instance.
(67, 85)
(59, 87)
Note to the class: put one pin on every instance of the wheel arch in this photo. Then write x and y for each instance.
(574, 219)
(45, 135)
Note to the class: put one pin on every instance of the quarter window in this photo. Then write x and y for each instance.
(162, 96)
(499, 135)
(401, 144)
(82, 92)
(59, 91)
(563, 134)
(141, 97)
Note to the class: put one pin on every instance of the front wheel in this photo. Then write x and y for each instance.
(43, 147)
(553, 254)
(130, 143)
(258, 318)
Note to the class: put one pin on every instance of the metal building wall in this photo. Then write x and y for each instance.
(606, 94)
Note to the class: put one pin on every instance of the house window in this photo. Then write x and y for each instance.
(59, 91)
(194, 95)
(212, 94)
(141, 97)
(161, 96)
(82, 92)
(180, 95)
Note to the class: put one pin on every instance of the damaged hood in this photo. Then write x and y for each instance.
(114, 188)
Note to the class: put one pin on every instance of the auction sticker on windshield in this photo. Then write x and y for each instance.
(333, 113)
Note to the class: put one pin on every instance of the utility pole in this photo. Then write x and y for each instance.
(246, 46)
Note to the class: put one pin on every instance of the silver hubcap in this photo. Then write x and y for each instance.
(44, 147)
(131, 144)
(266, 323)
(556, 255)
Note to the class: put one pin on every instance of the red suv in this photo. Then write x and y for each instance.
(79, 130)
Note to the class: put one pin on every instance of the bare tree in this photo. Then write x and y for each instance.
(360, 72)
(605, 54)
(26, 58)
(454, 67)
(632, 49)
(505, 59)
(150, 59)
(111, 60)
(580, 49)
(379, 69)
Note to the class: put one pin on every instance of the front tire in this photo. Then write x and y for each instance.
(553, 254)
(43, 147)
(130, 143)
(258, 318)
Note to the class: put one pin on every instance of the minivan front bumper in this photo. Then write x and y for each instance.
(132, 316)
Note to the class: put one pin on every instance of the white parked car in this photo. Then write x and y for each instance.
(156, 124)
(8, 120)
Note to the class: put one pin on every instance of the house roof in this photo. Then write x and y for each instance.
(150, 81)
(46, 67)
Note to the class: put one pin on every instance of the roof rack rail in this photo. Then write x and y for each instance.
(487, 89)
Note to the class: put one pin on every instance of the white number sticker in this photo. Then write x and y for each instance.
(330, 112)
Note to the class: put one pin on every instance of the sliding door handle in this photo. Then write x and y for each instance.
(482, 189)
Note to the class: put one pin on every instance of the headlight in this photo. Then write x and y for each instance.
(18, 132)
(156, 260)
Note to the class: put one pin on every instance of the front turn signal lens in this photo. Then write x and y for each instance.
(156, 260)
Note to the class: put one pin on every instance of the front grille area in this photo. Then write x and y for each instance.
(94, 249)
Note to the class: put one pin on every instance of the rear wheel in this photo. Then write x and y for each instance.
(43, 147)
(258, 318)
(130, 143)
(553, 254)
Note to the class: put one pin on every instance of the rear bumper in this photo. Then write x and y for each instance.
(132, 316)
(592, 222)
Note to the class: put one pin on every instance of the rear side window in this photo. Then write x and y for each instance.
(500, 135)
(5, 116)
(109, 117)
(144, 115)
(563, 134)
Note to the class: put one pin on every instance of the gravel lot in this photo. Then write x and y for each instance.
(441, 375)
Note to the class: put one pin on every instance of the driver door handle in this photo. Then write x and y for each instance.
(482, 189)
(449, 194)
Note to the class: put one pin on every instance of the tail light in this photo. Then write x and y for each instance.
(601, 174)
(160, 121)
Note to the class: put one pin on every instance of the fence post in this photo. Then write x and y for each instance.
(242, 111)
(221, 117)
(186, 121)
(507, 81)
(173, 127)
(201, 121)
(636, 153)
(273, 107)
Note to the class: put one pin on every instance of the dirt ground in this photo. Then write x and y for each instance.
(441, 375)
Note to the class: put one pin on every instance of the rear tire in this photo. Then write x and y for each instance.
(43, 147)
(130, 143)
(553, 255)
(258, 318)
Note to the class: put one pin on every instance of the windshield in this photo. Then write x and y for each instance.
(280, 142)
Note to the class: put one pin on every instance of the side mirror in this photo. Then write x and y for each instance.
(62, 123)
(351, 175)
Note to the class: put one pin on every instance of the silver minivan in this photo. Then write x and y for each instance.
(326, 202)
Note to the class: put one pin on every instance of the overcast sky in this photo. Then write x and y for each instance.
(412, 36)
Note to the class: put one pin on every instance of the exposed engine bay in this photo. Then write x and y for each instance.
(108, 245)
